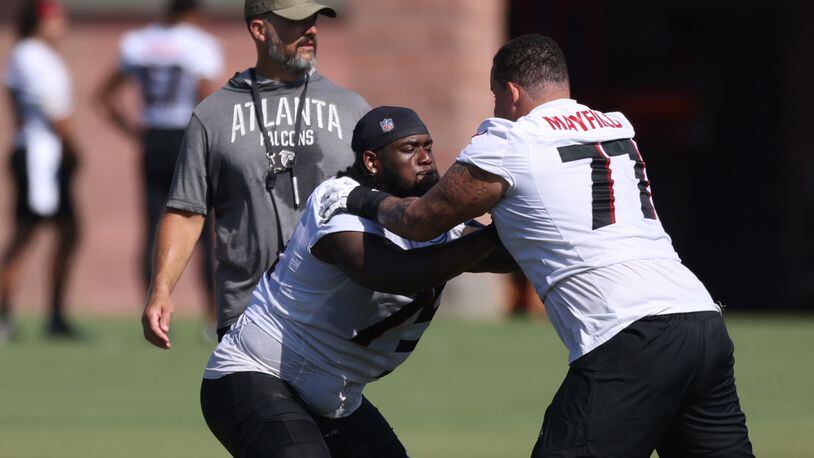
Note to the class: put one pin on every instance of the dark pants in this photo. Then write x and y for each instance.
(19, 173)
(257, 415)
(161, 149)
(665, 383)
(27, 220)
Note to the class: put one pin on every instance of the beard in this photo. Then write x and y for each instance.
(293, 62)
(393, 184)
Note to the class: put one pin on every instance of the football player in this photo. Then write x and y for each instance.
(651, 363)
(345, 305)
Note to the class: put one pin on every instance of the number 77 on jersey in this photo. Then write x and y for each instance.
(602, 184)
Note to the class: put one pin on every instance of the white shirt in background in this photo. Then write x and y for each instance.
(168, 61)
(40, 88)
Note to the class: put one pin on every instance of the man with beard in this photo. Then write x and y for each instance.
(251, 149)
(344, 306)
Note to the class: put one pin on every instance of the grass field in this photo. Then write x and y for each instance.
(469, 390)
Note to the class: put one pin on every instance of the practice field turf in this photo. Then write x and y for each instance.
(469, 390)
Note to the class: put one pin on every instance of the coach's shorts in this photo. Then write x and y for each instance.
(256, 415)
(665, 383)
(24, 211)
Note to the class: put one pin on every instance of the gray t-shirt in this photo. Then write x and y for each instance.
(223, 166)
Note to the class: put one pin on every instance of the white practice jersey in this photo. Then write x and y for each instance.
(168, 61)
(579, 219)
(40, 88)
(311, 311)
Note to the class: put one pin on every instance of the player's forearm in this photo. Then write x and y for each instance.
(410, 271)
(106, 104)
(411, 218)
(175, 241)
(111, 111)
(499, 261)
(463, 193)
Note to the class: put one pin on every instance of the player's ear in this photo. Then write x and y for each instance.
(371, 161)
(515, 90)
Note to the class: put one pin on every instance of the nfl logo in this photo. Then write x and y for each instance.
(387, 125)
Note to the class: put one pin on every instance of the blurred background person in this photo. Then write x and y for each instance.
(519, 295)
(43, 160)
(175, 64)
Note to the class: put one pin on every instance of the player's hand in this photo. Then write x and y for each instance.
(335, 198)
(155, 321)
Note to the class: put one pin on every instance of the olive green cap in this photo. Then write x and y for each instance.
(296, 10)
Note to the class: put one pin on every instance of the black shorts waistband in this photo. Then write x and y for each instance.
(691, 316)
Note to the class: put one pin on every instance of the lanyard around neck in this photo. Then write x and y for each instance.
(273, 168)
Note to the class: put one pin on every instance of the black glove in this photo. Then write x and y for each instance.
(364, 202)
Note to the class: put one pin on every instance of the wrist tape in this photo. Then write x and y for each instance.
(364, 202)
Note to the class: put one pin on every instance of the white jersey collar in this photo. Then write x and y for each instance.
(554, 103)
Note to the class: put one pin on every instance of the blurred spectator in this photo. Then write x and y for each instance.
(174, 64)
(519, 295)
(44, 158)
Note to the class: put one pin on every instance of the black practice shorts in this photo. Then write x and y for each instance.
(161, 149)
(256, 415)
(19, 173)
(665, 383)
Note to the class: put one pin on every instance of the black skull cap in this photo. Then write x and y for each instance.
(384, 125)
